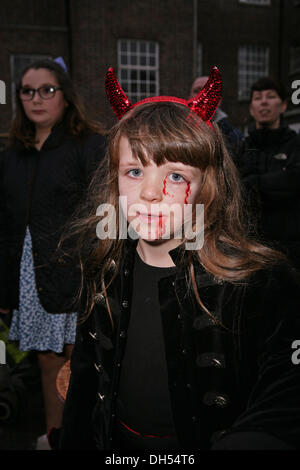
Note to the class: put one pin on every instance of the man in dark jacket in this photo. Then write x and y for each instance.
(269, 162)
(232, 135)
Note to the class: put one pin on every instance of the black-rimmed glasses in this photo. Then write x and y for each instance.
(46, 92)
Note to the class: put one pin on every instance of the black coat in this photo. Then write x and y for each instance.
(269, 162)
(41, 189)
(232, 386)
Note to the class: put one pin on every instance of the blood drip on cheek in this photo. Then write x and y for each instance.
(165, 192)
(161, 228)
(187, 192)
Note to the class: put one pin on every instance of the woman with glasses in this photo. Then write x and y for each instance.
(53, 151)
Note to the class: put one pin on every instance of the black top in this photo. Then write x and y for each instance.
(144, 402)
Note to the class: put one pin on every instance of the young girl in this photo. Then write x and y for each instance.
(180, 345)
(54, 148)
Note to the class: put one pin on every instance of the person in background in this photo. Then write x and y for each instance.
(233, 136)
(269, 163)
(53, 151)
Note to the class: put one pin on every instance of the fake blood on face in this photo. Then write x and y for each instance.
(165, 192)
(187, 192)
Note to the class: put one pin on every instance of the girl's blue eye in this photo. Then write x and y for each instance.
(176, 178)
(135, 173)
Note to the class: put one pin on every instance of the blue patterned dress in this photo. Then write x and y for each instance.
(31, 325)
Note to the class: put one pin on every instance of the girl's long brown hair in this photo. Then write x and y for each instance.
(77, 123)
(169, 132)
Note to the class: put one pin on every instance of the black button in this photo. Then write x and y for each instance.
(211, 359)
(221, 401)
(101, 397)
(125, 303)
(126, 272)
(122, 334)
(215, 398)
(99, 298)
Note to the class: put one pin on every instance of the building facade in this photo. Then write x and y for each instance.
(157, 47)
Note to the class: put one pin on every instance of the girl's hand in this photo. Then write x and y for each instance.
(4, 310)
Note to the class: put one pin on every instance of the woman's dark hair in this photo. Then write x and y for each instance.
(267, 83)
(75, 118)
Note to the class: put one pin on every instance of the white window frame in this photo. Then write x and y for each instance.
(253, 63)
(27, 59)
(138, 68)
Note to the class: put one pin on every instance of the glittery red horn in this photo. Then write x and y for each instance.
(206, 102)
(116, 96)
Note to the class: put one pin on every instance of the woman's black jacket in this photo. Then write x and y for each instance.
(234, 385)
(41, 189)
(269, 163)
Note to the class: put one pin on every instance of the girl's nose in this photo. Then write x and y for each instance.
(152, 189)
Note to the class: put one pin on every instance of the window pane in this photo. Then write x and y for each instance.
(123, 46)
(253, 63)
(133, 75)
(138, 67)
(152, 47)
(133, 46)
(133, 60)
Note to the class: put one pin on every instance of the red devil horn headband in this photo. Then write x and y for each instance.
(204, 104)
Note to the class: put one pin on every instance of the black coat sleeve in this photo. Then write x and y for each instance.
(271, 419)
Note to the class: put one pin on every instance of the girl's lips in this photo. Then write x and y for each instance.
(38, 111)
(151, 217)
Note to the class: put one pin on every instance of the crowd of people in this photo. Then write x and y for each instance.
(171, 344)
